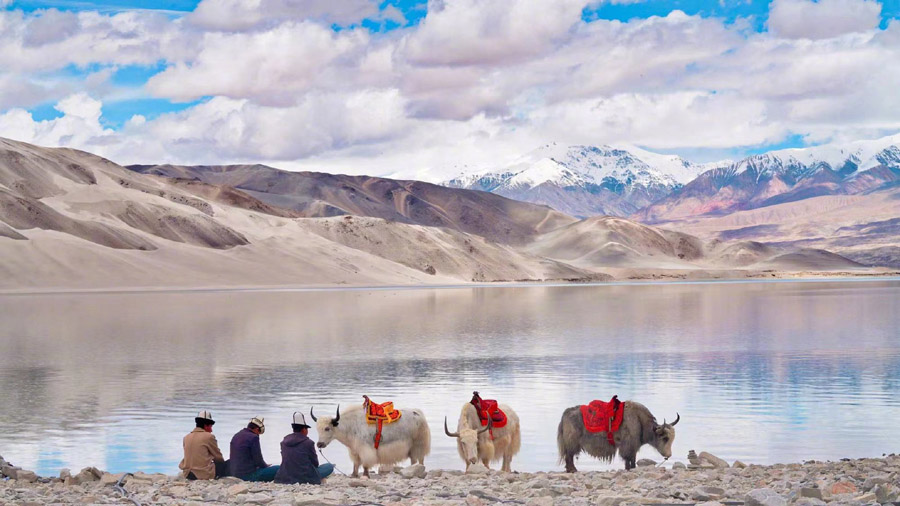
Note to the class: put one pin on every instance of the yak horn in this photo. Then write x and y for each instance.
(447, 431)
(312, 415)
(677, 417)
(337, 416)
(490, 425)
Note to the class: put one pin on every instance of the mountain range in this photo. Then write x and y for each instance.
(628, 181)
(73, 220)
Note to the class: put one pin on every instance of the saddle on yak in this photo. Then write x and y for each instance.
(379, 414)
(488, 409)
(599, 416)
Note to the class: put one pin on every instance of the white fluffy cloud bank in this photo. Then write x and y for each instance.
(474, 83)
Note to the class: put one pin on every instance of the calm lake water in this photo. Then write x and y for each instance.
(763, 372)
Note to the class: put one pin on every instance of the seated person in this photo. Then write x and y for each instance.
(202, 458)
(299, 463)
(246, 460)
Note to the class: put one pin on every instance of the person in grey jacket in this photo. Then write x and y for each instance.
(299, 463)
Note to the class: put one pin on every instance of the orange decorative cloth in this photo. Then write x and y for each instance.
(380, 414)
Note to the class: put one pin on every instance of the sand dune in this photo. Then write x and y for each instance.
(314, 194)
(73, 220)
(440, 250)
(864, 228)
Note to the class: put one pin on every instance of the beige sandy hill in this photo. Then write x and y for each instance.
(864, 228)
(625, 248)
(84, 222)
(315, 194)
(609, 241)
(440, 250)
(809, 259)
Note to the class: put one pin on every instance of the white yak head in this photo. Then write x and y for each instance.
(327, 426)
(467, 439)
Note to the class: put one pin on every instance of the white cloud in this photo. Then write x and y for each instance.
(78, 127)
(273, 67)
(235, 15)
(823, 19)
(474, 83)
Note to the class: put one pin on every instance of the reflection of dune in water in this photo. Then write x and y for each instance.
(114, 380)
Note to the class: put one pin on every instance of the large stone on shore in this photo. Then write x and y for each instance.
(712, 459)
(9, 471)
(679, 465)
(110, 479)
(868, 497)
(813, 492)
(645, 463)
(88, 474)
(886, 493)
(477, 468)
(540, 501)
(26, 476)
(258, 498)
(707, 493)
(414, 471)
(764, 497)
(738, 464)
(65, 473)
(843, 487)
(809, 501)
(872, 481)
(238, 489)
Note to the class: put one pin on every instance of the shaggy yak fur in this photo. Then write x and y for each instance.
(473, 441)
(406, 438)
(638, 428)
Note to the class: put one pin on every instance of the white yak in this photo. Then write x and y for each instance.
(406, 438)
(474, 443)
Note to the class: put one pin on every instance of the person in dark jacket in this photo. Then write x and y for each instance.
(246, 460)
(299, 463)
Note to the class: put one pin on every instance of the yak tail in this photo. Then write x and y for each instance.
(561, 440)
(421, 444)
(516, 443)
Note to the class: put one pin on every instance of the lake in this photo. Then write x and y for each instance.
(762, 372)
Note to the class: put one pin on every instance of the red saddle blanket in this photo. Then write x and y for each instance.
(599, 416)
(489, 408)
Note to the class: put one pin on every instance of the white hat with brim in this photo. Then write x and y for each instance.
(259, 422)
(205, 416)
(300, 419)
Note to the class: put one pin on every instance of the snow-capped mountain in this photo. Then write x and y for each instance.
(588, 180)
(784, 176)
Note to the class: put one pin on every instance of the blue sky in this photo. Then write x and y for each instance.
(485, 78)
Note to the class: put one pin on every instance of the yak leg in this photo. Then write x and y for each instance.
(355, 473)
(507, 460)
(486, 462)
(366, 472)
(570, 464)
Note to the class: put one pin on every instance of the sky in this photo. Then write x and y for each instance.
(428, 89)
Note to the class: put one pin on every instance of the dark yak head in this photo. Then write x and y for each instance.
(326, 426)
(665, 436)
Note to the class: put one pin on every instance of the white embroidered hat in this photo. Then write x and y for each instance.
(205, 416)
(259, 422)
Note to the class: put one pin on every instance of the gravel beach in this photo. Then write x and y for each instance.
(707, 481)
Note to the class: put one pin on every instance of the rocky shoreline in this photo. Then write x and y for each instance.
(710, 481)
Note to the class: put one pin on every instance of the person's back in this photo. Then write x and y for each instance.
(246, 460)
(202, 458)
(299, 463)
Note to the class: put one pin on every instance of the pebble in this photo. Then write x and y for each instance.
(854, 482)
